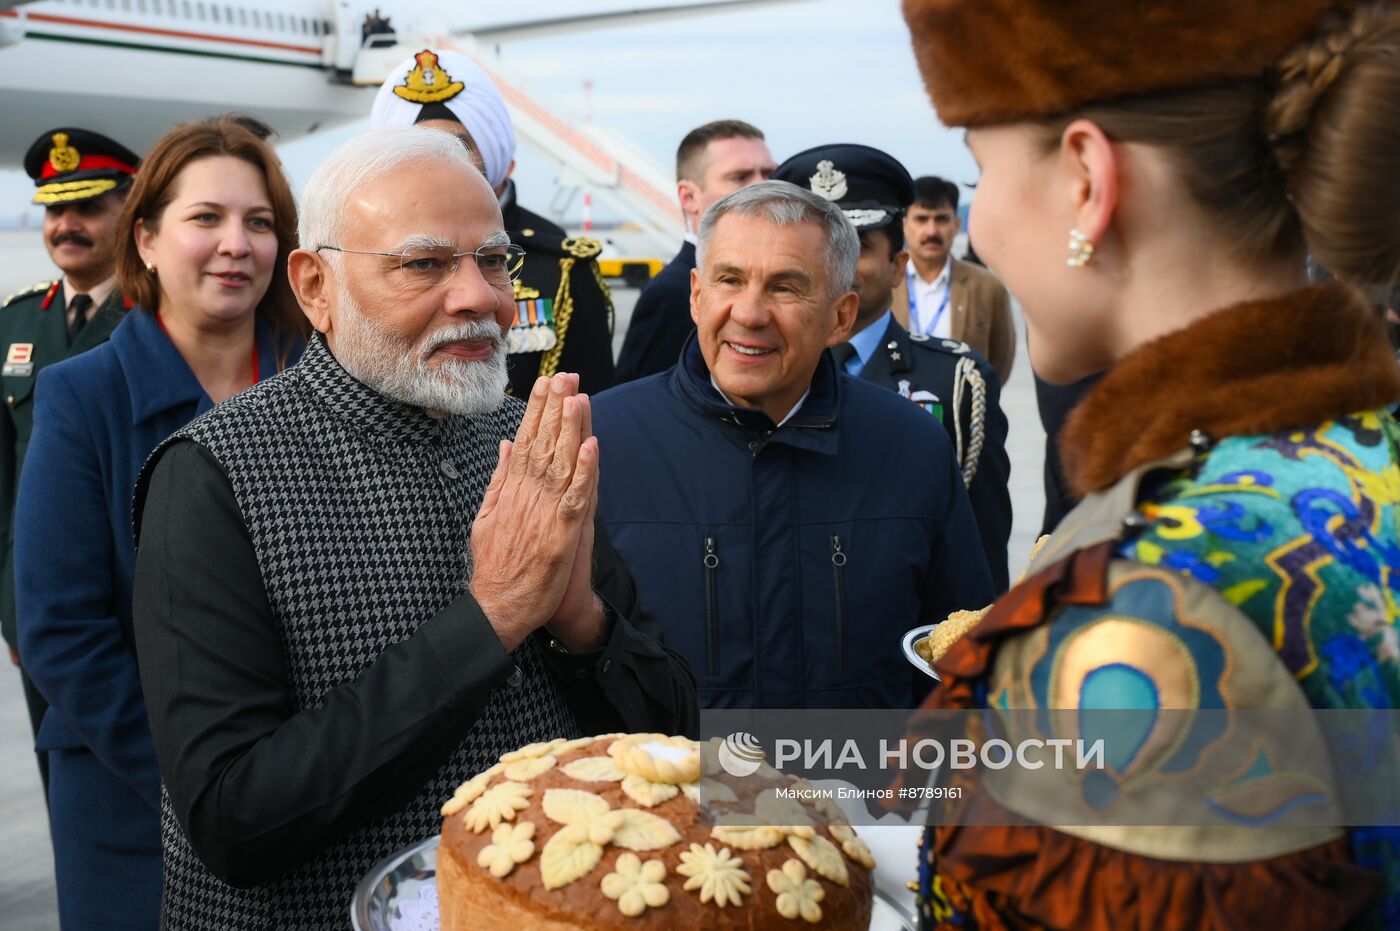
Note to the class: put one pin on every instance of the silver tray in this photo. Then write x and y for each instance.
(913, 637)
(400, 894)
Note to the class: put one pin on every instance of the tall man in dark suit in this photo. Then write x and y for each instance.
(82, 178)
(943, 376)
(712, 161)
(943, 298)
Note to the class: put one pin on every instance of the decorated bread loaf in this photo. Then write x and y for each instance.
(608, 832)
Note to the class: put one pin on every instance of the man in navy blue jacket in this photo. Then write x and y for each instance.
(786, 522)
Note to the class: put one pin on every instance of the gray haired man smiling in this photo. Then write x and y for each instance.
(354, 589)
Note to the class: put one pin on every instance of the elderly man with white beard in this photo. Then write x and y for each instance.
(354, 590)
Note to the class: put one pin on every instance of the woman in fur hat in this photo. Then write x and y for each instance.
(1154, 177)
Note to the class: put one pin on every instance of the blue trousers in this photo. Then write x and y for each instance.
(106, 847)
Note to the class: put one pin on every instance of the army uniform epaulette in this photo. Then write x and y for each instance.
(580, 247)
(32, 289)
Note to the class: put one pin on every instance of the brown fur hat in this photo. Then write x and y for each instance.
(1001, 61)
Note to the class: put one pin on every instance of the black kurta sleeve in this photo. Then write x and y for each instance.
(632, 682)
(259, 784)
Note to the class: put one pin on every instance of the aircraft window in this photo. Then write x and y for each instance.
(199, 10)
(305, 26)
(126, 5)
(282, 21)
(186, 5)
(242, 16)
(140, 6)
(257, 20)
(214, 12)
(228, 14)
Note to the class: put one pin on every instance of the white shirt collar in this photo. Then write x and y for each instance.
(98, 294)
(939, 280)
(790, 414)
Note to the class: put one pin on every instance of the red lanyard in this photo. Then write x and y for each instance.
(255, 346)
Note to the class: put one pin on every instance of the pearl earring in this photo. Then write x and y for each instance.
(1081, 250)
(150, 267)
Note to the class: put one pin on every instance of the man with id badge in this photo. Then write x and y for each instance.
(943, 298)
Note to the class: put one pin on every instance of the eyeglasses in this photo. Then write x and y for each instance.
(424, 268)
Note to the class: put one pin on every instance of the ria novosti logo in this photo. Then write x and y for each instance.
(740, 754)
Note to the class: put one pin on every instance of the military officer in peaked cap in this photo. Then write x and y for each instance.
(564, 312)
(944, 377)
(81, 180)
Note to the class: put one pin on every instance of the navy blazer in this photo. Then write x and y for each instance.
(660, 322)
(97, 417)
(786, 562)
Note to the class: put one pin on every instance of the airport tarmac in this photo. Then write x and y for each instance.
(27, 898)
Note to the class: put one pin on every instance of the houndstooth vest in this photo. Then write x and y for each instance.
(360, 512)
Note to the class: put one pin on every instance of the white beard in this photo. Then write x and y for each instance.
(391, 365)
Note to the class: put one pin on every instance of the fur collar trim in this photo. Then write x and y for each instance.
(1254, 368)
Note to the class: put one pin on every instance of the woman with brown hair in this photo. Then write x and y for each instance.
(1154, 177)
(205, 236)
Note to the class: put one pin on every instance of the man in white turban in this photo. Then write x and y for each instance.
(564, 313)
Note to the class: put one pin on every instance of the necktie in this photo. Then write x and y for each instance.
(79, 308)
(844, 352)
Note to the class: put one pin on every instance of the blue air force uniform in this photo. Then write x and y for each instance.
(945, 378)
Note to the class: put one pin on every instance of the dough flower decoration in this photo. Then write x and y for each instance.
(469, 791)
(594, 769)
(590, 824)
(536, 759)
(720, 876)
(636, 886)
(510, 846)
(563, 745)
(658, 758)
(822, 856)
(604, 769)
(498, 803)
(709, 792)
(652, 768)
(852, 845)
(820, 801)
(798, 896)
(775, 820)
(529, 752)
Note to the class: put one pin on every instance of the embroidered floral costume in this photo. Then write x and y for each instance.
(1238, 548)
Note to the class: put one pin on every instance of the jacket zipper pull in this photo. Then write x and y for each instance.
(711, 609)
(838, 565)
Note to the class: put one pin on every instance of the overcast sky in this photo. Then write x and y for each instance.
(806, 72)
